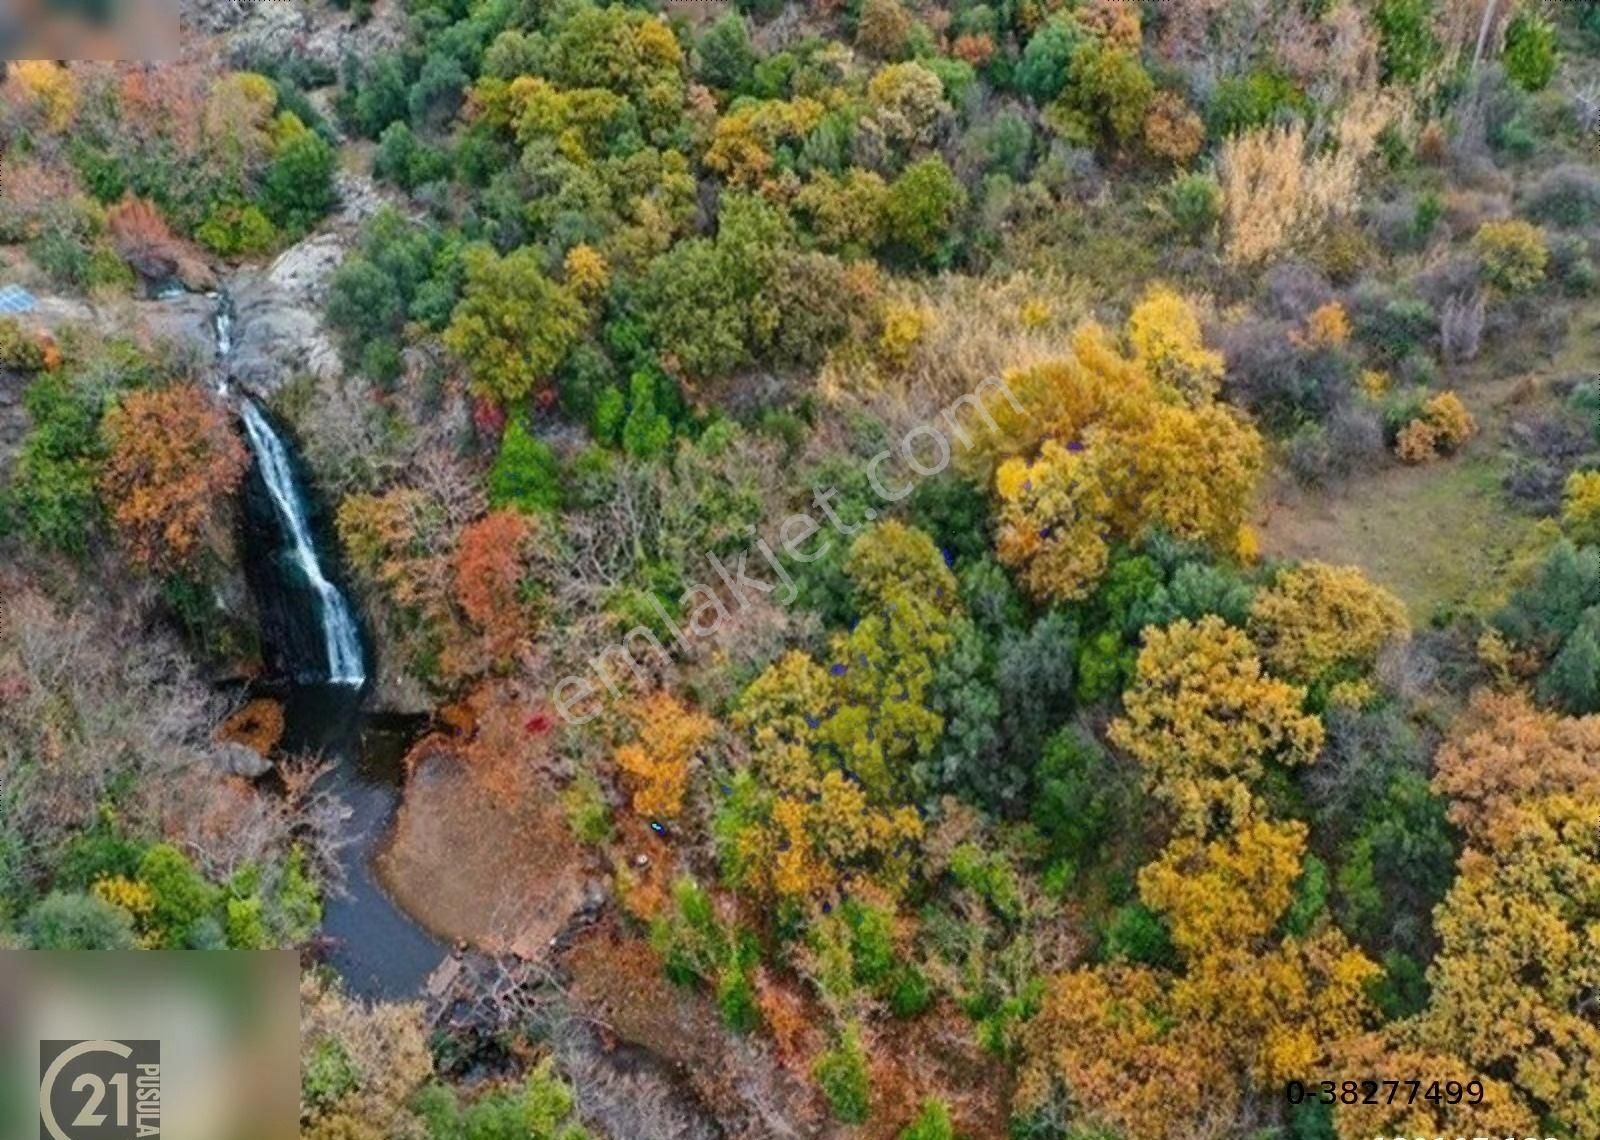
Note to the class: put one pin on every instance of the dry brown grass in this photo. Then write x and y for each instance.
(1279, 188)
(971, 330)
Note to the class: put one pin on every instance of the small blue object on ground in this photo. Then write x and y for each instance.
(16, 299)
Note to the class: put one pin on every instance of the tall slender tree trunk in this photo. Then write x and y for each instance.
(1483, 31)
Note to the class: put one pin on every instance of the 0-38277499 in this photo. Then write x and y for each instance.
(1369, 1090)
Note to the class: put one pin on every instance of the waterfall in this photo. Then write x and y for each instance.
(340, 633)
(222, 325)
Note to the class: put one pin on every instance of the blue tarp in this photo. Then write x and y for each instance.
(15, 299)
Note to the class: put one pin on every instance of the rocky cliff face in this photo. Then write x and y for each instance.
(257, 36)
(279, 331)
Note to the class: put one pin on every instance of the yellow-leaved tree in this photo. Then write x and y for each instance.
(1323, 625)
(1123, 445)
(1265, 991)
(1518, 968)
(1165, 334)
(1513, 984)
(659, 760)
(825, 800)
(1202, 717)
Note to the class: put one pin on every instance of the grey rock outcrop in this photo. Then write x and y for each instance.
(239, 760)
(279, 331)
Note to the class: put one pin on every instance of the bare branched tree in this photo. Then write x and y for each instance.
(319, 816)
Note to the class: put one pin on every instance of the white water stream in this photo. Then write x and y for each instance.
(340, 634)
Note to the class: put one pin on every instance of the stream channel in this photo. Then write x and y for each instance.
(312, 639)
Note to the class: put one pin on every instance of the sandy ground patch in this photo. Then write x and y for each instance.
(469, 868)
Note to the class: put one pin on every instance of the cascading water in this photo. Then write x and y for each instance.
(340, 634)
(310, 634)
(341, 637)
(222, 324)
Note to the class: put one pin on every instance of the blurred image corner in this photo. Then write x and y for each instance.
(149, 1045)
(125, 30)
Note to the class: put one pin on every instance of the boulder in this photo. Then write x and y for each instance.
(195, 273)
(382, 32)
(265, 35)
(303, 271)
(394, 690)
(184, 319)
(239, 760)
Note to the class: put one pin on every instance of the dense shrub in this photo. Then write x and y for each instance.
(526, 474)
(406, 161)
(1171, 130)
(726, 59)
(1568, 195)
(63, 257)
(1107, 94)
(1034, 675)
(541, 1109)
(297, 188)
(1194, 202)
(1047, 59)
(921, 209)
(181, 897)
(1343, 252)
(78, 922)
(1580, 508)
(841, 1073)
(1530, 52)
(1393, 325)
(883, 28)
(1078, 795)
(374, 94)
(1407, 47)
(1556, 618)
(1310, 455)
(401, 271)
(52, 495)
(1461, 327)
(1293, 290)
(1281, 382)
(1512, 254)
(932, 1123)
(1136, 934)
(235, 229)
(1440, 425)
(1396, 866)
(1260, 96)
(20, 350)
(1573, 267)
(1572, 680)
(1546, 448)
(1545, 612)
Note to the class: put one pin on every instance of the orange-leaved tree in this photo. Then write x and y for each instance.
(492, 581)
(658, 762)
(173, 463)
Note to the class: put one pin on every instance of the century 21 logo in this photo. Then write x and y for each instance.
(99, 1090)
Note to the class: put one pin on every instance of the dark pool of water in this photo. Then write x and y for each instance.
(373, 944)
